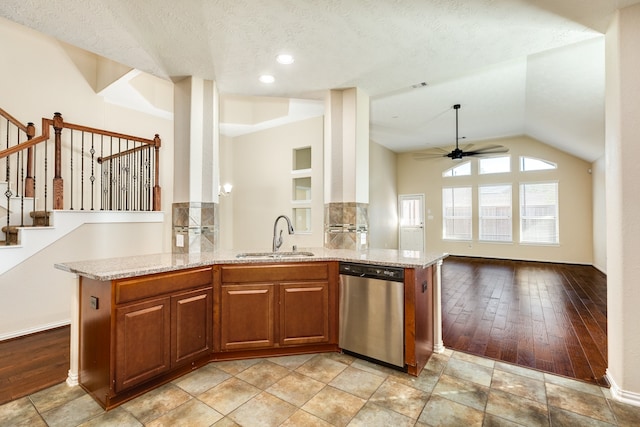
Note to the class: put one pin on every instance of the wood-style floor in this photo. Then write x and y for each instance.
(551, 317)
(33, 362)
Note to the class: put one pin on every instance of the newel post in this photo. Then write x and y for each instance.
(29, 183)
(58, 198)
(157, 193)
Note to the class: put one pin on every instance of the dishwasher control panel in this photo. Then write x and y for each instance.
(395, 274)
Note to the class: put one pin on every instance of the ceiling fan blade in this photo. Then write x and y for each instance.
(491, 148)
(427, 156)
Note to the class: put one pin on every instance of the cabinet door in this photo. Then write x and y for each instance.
(191, 319)
(247, 316)
(304, 313)
(142, 342)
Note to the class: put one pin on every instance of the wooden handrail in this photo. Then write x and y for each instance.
(30, 143)
(58, 124)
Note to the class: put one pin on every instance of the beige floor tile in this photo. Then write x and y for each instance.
(291, 362)
(373, 368)
(190, 414)
(263, 410)
(304, 419)
(517, 409)
(20, 412)
(494, 421)
(426, 381)
(201, 380)
(561, 417)
(462, 391)
(372, 415)
(157, 402)
(321, 368)
(573, 384)
(72, 413)
(226, 422)
(54, 396)
(234, 367)
(519, 370)
(482, 361)
(296, 388)
(444, 412)
(522, 386)
(357, 382)
(400, 398)
(228, 395)
(437, 362)
(579, 402)
(334, 406)
(469, 371)
(115, 417)
(263, 374)
(626, 415)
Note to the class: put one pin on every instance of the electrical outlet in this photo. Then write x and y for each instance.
(180, 240)
(94, 302)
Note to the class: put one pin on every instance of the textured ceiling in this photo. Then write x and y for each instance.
(534, 67)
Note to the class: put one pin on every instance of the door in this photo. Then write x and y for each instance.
(191, 319)
(411, 217)
(247, 316)
(304, 313)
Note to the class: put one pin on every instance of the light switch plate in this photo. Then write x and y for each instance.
(180, 240)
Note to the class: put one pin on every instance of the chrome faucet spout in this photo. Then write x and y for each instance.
(277, 239)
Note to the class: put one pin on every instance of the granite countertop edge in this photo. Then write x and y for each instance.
(133, 266)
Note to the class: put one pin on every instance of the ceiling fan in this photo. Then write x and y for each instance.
(459, 153)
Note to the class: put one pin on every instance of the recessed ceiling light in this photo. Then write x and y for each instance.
(285, 58)
(267, 78)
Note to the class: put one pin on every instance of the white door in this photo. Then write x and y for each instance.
(411, 215)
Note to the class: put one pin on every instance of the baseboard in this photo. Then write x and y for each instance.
(34, 330)
(617, 393)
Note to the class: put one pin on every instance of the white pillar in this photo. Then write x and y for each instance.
(623, 205)
(438, 344)
(346, 170)
(74, 348)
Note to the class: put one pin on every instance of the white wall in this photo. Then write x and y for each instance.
(262, 184)
(575, 202)
(44, 76)
(598, 169)
(383, 198)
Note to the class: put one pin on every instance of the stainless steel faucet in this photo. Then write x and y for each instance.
(277, 239)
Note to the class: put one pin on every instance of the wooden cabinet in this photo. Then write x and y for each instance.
(272, 306)
(142, 342)
(140, 332)
(304, 313)
(137, 333)
(247, 316)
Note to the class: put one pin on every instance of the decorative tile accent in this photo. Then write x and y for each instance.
(196, 223)
(346, 225)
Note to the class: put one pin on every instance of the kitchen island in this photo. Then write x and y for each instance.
(143, 321)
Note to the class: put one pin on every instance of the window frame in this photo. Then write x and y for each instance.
(481, 237)
(522, 217)
(446, 217)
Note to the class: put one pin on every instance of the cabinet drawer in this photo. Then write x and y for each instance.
(275, 272)
(159, 284)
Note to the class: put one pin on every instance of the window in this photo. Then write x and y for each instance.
(459, 170)
(494, 204)
(528, 164)
(539, 213)
(500, 164)
(302, 189)
(456, 213)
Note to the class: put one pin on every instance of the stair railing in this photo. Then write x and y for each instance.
(94, 169)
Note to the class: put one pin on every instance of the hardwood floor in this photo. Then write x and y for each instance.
(33, 362)
(551, 317)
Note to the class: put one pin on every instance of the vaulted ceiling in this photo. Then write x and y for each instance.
(533, 67)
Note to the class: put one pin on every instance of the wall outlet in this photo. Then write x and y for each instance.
(180, 240)
(94, 302)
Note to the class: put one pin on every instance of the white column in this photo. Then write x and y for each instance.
(74, 348)
(622, 153)
(438, 345)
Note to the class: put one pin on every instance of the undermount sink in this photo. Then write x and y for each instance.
(274, 254)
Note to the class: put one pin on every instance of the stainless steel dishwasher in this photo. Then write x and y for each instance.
(372, 312)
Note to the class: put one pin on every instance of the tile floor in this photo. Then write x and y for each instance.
(455, 389)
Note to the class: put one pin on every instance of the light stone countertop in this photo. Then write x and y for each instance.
(119, 268)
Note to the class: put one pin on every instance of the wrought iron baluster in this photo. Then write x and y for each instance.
(71, 165)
